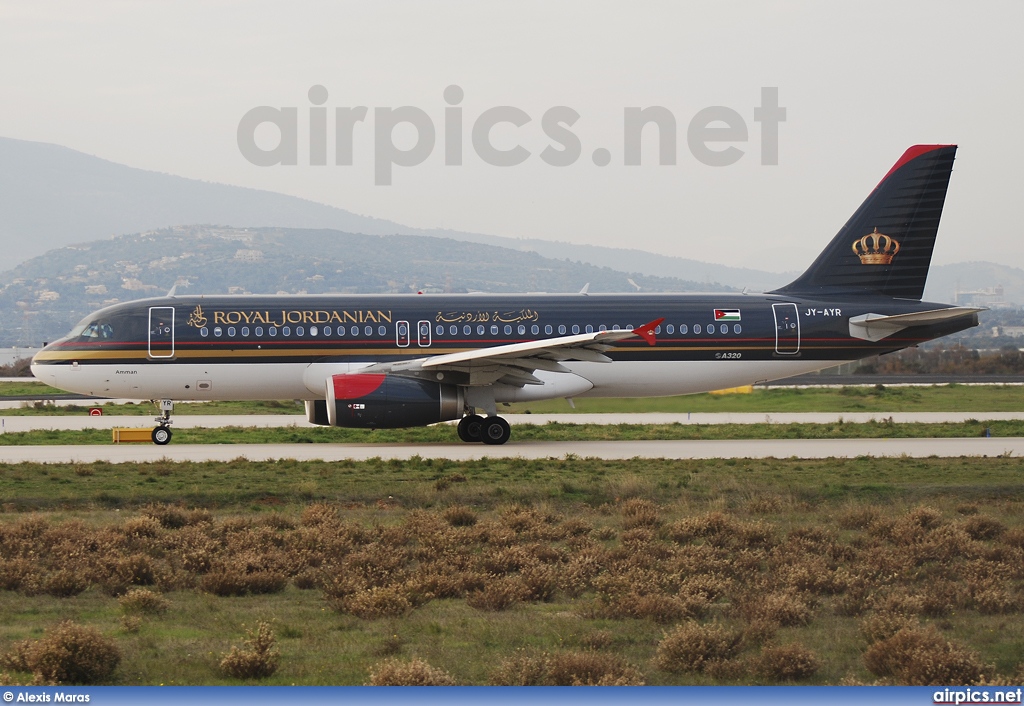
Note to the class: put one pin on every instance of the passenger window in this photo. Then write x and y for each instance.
(299, 331)
(602, 328)
(683, 330)
(522, 330)
(245, 330)
(480, 329)
(327, 330)
(561, 329)
(467, 330)
(724, 328)
(312, 330)
(369, 330)
(494, 330)
(354, 330)
(204, 332)
(575, 328)
(231, 331)
(696, 328)
(535, 329)
(217, 331)
(590, 328)
(737, 328)
(615, 327)
(286, 331)
(670, 329)
(259, 330)
(382, 330)
(548, 330)
(508, 330)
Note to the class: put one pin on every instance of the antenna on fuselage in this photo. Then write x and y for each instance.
(586, 288)
(173, 287)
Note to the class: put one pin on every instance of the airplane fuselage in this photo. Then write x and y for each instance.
(286, 347)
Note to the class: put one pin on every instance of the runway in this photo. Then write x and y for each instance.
(193, 421)
(611, 450)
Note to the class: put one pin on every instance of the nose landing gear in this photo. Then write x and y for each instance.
(162, 433)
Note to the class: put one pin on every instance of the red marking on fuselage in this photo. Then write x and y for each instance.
(356, 385)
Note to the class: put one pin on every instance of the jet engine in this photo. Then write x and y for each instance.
(381, 401)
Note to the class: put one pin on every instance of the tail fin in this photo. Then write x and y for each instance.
(886, 246)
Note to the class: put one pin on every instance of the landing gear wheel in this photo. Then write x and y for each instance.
(496, 431)
(161, 436)
(471, 428)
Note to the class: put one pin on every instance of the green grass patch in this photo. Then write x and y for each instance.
(552, 431)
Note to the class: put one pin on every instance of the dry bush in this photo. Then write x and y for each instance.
(637, 512)
(144, 527)
(597, 640)
(460, 516)
(786, 663)
(883, 625)
(500, 593)
(654, 606)
(21, 574)
(142, 600)
(67, 654)
(124, 571)
(64, 583)
(168, 516)
(259, 658)
(413, 673)
(780, 607)
(690, 646)
(918, 657)
(131, 623)
(576, 527)
(981, 527)
(858, 517)
(376, 602)
(715, 528)
(319, 514)
(1014, 537)
(993, 597)
(566, 669)
(233, 581)
(539, 583)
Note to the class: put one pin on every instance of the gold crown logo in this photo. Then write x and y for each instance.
(876, 248)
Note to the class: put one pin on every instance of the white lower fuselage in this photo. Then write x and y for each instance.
(306, 381)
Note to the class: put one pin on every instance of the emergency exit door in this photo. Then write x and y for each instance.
(787, 329)
(161, 332)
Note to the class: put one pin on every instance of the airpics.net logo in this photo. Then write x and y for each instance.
(717, 136)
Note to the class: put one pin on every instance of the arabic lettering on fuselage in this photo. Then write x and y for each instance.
(482, 317)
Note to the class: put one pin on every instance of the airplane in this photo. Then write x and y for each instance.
(386, 361)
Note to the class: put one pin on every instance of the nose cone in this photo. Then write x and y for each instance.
(46, 373)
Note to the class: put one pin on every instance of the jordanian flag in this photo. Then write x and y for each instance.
(727, 314)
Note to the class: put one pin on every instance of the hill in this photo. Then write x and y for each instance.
(46, 295)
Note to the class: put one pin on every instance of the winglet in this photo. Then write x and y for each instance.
(646, 331)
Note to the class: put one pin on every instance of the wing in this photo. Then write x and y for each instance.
(515, 363)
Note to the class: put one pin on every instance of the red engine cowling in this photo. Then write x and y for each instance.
(380, 401)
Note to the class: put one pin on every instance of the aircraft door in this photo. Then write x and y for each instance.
(402, 334)
(423, 334)
(161, 332)
(787, 329)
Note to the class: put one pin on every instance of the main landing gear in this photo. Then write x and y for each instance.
(490, 430)
(162, 433)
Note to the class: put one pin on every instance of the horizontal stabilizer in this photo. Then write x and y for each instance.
(875, 327)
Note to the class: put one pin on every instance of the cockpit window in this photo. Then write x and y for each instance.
(97, 330)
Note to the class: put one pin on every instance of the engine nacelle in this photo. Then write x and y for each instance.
(380, 401)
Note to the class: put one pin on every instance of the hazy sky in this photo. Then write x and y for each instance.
(164, 85)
